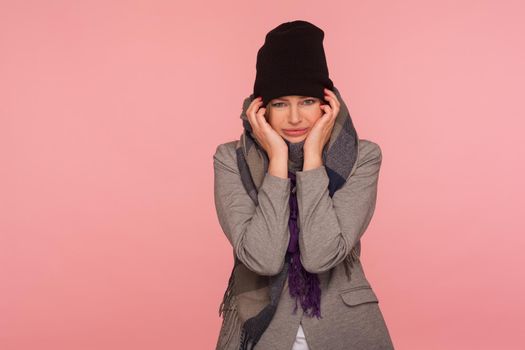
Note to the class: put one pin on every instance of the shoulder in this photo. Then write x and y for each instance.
(368, 150)
(369, 158)
(225, 153)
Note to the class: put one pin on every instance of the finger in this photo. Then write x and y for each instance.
(263, 122)
(328, 91)
(332, 117)
(332, 95)
(333, 101)
(261, 118)
(251, 113)
(329, 98)
(255, 102)
(336, 113)
(250, 107)
(326, 108)
(328, 94)
(327, 113)
(252, 120)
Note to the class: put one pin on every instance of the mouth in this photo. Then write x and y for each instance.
(295, 132)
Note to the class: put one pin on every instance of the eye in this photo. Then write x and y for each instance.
(275, 104)
(311, 100)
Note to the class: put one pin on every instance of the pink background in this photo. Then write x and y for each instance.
(110, 112)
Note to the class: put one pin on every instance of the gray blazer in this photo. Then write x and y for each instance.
(329, 228)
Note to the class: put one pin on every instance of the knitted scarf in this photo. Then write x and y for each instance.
(304, 286)
(250, 300)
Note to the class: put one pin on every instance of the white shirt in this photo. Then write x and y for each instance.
(300, 340)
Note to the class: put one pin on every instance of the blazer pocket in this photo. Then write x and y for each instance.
(359, 295)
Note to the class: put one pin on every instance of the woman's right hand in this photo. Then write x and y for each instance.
(269, 139)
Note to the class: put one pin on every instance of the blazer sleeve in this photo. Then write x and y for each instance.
(331, 226)
(258, 234)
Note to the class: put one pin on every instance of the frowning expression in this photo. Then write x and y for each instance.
(293, 116)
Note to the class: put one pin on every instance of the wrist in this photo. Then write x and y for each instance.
(278, 166)
(312, 161)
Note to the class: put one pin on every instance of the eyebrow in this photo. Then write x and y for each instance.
(286, 99)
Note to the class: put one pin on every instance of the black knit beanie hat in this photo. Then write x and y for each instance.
(292, 62)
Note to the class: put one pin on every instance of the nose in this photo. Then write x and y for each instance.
(294, 116)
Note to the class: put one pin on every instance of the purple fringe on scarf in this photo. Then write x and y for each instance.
(304, 286)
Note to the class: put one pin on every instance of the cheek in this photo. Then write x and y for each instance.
(315, 116)
(275, 120)
(320, 112)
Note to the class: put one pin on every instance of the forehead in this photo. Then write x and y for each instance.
(291, 97)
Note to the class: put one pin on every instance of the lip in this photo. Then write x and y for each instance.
(295, 132)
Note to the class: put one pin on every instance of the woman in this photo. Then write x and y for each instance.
(294, 196)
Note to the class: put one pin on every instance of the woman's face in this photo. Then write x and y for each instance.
(288, 113)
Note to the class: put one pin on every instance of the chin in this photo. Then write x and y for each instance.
(295, 139)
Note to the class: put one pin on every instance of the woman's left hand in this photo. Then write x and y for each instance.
(322, 129)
